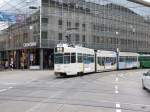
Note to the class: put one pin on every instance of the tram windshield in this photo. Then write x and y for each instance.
(65, 58)
(59, 58)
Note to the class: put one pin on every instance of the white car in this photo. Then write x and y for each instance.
(146, 80)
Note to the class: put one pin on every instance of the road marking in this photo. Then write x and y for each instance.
(116, 91)
(116, 79)
(2, 90)
(10, 87)
(118, 110)
(117, 105)
(121, 75)
(8, 83)
(116, 87)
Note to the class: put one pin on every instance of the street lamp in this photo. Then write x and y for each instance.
(117, 52)
(117, 33)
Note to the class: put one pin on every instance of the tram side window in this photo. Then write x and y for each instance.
(67, 58)
(92, 58)
(128, 59)
(100, 60)
(103, 60)
(146, 58)
(108, 60)
(85, 59)
(73, 58)
(122, 59)
(113, 60)
(135, 59)
(58, 58)
(80, 58)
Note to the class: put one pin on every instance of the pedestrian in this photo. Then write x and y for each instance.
(11, 64)
(6, 64)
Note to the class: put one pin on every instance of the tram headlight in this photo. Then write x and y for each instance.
(60, 49)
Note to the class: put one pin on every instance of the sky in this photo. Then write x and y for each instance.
(16, 7)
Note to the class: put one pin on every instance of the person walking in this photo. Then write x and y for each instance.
(11, 64)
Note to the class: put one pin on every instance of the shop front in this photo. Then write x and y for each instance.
(23, 58)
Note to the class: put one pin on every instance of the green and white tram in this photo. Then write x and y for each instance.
(72, 60)
(144, 60)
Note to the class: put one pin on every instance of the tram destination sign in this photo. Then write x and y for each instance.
(30, 44)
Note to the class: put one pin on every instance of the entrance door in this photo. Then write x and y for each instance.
(48, 59)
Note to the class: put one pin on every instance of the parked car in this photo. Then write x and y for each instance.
(146, 80)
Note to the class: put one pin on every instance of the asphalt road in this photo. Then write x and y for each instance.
(41, 91)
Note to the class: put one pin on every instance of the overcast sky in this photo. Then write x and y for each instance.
(17, 6)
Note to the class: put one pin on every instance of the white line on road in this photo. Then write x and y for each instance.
(116, 87)
(10, 87)
(116, 79)
(7, 83)
(2, 90)
(116, 91)
(117, 105)
(118, 110)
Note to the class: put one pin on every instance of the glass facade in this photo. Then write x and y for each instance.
(97, 24)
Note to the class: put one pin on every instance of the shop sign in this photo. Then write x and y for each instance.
(30, 44)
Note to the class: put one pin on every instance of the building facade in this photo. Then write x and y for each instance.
(97, 24)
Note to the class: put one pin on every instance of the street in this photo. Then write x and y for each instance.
(41, 91)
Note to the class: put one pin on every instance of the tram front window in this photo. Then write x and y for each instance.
(58, 58)
(73, 58)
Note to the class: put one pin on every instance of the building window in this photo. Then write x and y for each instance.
(84, 27)
(77, 25)
(68, 24)
(44, 34)
(44, 1)
(44, 20)
(60, 22)
(60, 36)
(83, 38)
(77, 38)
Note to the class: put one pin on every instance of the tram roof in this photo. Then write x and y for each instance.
(144, 55)
(106, 53)
(128, 54)
(76, 49)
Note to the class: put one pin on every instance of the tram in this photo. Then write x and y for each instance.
(71, 60)
(77, 60)
(128, 60)
(144, 60)
(106, 60)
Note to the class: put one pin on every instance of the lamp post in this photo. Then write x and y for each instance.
(117, 50)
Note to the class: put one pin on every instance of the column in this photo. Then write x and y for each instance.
(41, 59)
(17, 59)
